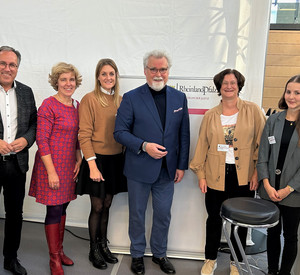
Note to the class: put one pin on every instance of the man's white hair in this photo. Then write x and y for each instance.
(156, 54)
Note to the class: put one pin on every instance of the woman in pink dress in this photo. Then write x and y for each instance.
(58, 159)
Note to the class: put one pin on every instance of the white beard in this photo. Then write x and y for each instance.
(157, 85)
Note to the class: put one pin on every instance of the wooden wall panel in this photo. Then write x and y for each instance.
(281, 37)
(290, 49)
(272, 102)
(274, 81)
(281, 70)
(282, 62)
(270, 92)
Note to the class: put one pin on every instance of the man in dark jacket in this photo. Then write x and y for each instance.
(17, 134)
(153, 123)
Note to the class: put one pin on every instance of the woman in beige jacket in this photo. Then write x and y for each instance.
(225, 158)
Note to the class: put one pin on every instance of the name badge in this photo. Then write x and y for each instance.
(271, 140)
(223, 147)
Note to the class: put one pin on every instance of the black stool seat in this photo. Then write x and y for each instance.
(250, 211)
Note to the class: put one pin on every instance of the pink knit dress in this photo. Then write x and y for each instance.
(57, 134)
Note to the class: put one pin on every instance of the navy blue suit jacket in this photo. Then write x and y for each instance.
(138, 121)
(26, 122)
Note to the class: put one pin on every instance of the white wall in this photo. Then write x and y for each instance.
(203, 37)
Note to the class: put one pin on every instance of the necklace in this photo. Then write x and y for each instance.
(291, 122)
(65, 103)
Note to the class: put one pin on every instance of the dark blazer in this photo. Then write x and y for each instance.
(26, 122)
(268, 156)
(138, 121)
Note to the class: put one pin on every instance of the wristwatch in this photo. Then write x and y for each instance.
(291, 188)
(144, 146)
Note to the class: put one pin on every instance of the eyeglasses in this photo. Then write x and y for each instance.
(155, 70)
(11, 66)
(232, 83)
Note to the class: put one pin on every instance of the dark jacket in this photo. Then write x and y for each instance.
(138, 121)
(268, 157)
(27, 117)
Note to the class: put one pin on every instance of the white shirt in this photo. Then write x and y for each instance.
(228, 123)
(107, 92)
(9, 113)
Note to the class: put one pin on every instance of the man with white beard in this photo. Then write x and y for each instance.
(153, 123)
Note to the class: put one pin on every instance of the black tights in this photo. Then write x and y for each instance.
(55, 212)
(98, 219)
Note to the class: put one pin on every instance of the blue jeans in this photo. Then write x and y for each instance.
(162, 191)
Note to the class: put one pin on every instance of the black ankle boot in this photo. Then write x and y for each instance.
(106, 253)
(95, 256)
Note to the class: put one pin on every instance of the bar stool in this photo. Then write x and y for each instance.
(249, 213)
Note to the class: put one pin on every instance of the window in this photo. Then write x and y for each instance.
(285, 15)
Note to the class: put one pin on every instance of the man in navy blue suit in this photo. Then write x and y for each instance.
(153, 123)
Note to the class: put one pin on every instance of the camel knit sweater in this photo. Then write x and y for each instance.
(96, 126)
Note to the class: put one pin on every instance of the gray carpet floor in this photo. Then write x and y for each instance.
(33, 255)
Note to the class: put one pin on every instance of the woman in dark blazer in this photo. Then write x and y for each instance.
(279, 173)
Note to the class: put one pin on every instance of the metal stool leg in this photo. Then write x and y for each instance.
(242, 251)
(247, 213)
(227, 236)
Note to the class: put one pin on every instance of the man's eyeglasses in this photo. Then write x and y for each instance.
(12, 66)
(155, 70)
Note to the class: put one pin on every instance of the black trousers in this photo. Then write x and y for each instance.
(213, 202)
(12, 180)
(289, 223)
